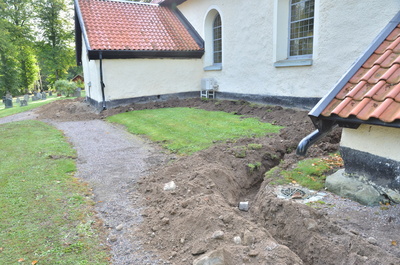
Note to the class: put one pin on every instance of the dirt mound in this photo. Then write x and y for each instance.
(192, 202)
(76, 109)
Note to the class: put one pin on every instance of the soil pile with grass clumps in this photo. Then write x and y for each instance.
(191, 212)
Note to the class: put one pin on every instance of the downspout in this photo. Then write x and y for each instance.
(101, 80)
(313, 137)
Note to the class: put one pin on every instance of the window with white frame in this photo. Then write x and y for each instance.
(301, 28)
(217, 40)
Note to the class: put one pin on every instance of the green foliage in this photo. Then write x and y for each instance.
(254, 146)
(187, 130)
(309, 173)
(46, 214)
(35, 36)
(55, 53)
(9, 70)
(19, 65)
(66, 87)
(29, 70)
(254, 167)
(239, 151)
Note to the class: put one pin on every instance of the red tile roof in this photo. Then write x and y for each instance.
(374, 90)
(132, 26)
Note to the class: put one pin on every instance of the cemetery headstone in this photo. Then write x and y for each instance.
(44, 96)
(8, 101)
(23, 103)
(78, 92)
(26, 97)
(39, 95)
(17, 101)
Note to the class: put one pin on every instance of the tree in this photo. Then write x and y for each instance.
(19, 64)
(56, 54)
(9, 70)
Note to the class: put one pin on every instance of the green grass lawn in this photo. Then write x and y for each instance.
(46, 214)
(187, 130)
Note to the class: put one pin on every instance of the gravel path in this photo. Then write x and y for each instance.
(111, 161)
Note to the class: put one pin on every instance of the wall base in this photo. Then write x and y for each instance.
(382, 173)
(290, 102)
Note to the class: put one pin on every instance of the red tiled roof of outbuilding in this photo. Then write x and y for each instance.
(132, 26)
(374, 90)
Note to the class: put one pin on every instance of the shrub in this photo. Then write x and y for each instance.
(65, 87)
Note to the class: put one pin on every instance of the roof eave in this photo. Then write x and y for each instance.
(323, 103)
(141, 54)
(171, 2)
(80, 32)
(353, 122)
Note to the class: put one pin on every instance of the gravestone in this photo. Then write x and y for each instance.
(39, 95)
(23, 103)
(8, 101)
(34, 97)
(50, 93)
(17, 101)
(44, 96)
(77, 92)
(26, 97)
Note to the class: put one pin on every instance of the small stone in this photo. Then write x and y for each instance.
(170, 186)
(372, 240)
(271, 246)
(198, 251)
(237, 240)
(248, 238)
(218, 235)
(354, 232)
(165, 221)
(112, 239)
(119, 227)
(182, 240)
(253, 253)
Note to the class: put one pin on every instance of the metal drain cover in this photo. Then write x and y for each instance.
(293, 193)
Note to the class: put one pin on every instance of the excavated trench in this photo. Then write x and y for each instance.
(201, 214)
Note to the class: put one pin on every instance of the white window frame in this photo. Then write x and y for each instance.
(291, 23)
(209, 63)
(217, 40)
(281, 56)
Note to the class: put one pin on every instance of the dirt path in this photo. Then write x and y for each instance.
(112, 160)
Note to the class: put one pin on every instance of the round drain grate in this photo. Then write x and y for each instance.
(293, 193)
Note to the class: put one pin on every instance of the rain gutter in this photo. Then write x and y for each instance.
(101, 80)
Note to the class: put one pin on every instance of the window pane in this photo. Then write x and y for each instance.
(301, 27)
(217, 39)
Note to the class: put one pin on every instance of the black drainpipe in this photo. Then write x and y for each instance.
(312, 138)
(101, 81)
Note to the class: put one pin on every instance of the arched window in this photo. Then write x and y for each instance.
(217, 39)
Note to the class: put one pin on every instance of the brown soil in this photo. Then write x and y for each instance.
(201, 214)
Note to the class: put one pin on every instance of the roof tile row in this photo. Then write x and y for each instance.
(374, 90)
(114, 25)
